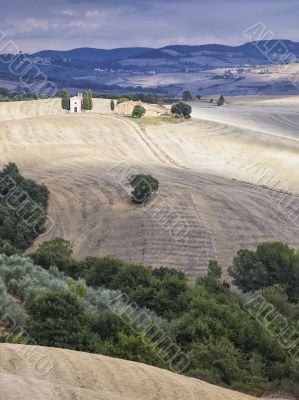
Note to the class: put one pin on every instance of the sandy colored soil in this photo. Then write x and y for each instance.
(35, 373)
(211, 170)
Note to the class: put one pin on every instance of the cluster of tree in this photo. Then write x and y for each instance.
(150, 98)
(182, 109)
(271, 264)
(208, 321)
(6, 95)
(23, 210)
(143, 187)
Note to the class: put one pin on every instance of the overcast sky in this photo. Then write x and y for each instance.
(65, 24)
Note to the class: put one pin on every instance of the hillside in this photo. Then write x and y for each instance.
(213, 193)
(250, 53)
(92, 54)
(37, 373)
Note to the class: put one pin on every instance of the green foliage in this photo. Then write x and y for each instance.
(221, 101)
(112, 105)
(54, 253)
(271, 263)
(87, 103)
(214, 269)
(23, 210)
(138, 111)
(207, 321)
(139, 349)
(182, 109)
(187, 96)
(122, 100)
(57, 319)
(8, 96)
(143, 187)
(65, 100)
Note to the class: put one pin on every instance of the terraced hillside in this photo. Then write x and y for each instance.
(38, 373)
(211, 200)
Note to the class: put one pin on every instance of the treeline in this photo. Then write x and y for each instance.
(23, 210)
(91, 305)
(6, 95)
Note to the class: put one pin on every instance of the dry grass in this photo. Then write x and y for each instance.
(82, 376)
(199, 214)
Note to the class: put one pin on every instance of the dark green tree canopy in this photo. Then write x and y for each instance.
(221, 101)
(65, 100)
(144, 186)
(182, 109)
(138, 111)
(187, 96)
(271, 263)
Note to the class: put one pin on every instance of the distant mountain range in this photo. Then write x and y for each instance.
(209, 54)
(88, 53)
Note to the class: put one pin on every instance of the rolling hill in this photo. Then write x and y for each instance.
(40, 373)
(226, 179)
(86, 53)
(268, 52)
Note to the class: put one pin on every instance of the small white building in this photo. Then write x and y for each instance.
(76, 103)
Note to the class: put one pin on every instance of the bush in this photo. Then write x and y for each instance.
(144, 186)
(138, 111)
(182, 109)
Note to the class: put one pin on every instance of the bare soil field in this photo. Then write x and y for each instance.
(40, 373)
(225, 183)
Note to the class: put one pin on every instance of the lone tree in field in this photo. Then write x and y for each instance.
(138, 111)
(187, 96)
(112, 105)
(65, 100)
(144, 186)
(221, 101)
(182, 109)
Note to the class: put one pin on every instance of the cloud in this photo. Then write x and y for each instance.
(63, 24)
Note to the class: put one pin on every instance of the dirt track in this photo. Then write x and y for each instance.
(35, 373)
(200, 212)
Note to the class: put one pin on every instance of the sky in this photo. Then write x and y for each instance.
(34, 25)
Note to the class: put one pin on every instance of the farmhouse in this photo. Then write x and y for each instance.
(76, 103)
(152, 110)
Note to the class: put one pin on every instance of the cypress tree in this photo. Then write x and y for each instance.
(112, 105)
(90, 105)
(65, 100)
